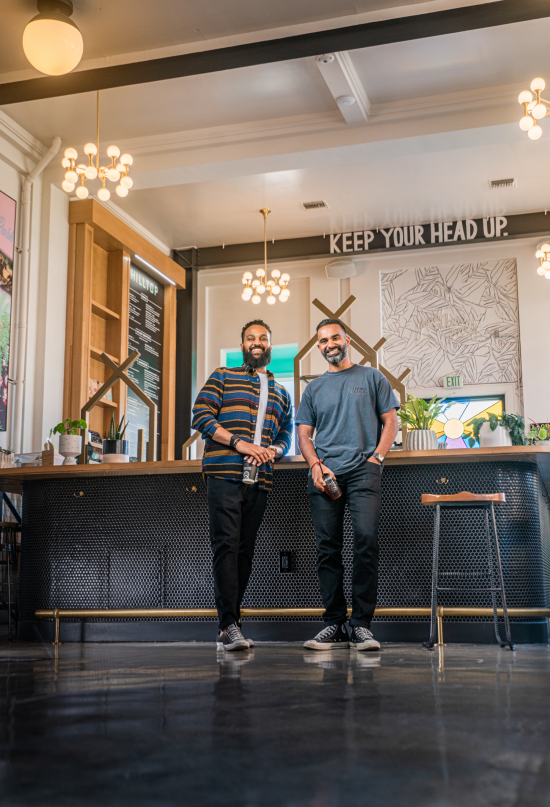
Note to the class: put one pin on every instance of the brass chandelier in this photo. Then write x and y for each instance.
(115, 172)
(534, 108)
(277, 286)
(543, 254)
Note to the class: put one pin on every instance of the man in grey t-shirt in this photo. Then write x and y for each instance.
(352, 411)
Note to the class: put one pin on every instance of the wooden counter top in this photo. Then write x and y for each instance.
(11, 479)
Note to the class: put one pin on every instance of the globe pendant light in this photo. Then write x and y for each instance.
(51, 41)
(277, 286)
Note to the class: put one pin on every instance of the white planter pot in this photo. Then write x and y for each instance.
(543, 443)
(116, 458)
(489, 439)
(421, 440)
(70, 446)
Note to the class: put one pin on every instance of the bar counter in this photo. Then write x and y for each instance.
(135, 536)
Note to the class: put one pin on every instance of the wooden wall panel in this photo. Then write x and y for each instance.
(169, 374)
(80, 358)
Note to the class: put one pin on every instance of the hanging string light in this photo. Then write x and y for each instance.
(115, 172)
(277, 286)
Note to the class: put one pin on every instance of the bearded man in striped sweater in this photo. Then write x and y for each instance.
(242, 414)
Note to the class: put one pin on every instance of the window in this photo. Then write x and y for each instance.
(455, 426)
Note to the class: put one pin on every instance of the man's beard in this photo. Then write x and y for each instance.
(337, 357)
(257, 361)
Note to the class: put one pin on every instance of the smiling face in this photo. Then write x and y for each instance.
(256, 347)
(333, 343)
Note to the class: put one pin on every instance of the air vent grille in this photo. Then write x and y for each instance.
(502, 184)
(315, 205)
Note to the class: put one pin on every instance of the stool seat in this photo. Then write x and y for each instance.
(465, 496)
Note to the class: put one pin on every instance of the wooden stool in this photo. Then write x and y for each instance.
(467, 500)
(9, 545)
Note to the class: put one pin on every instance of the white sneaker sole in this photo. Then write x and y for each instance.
(372, 644)
(238, 645)
(311, 644)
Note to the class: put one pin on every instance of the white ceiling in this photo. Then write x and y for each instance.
(209, 151)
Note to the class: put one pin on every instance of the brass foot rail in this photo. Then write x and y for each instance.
(124, 613)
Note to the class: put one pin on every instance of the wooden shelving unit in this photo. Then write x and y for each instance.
(100, 252)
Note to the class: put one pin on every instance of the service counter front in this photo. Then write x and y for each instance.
(114, 539)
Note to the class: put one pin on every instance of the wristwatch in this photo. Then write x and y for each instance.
(234, 440)
(379, 457)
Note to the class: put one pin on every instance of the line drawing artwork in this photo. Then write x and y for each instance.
(460, 318)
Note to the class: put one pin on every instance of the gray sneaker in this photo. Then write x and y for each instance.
(333, 637)
(232, 639)
(362, 639)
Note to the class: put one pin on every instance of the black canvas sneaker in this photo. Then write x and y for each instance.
(232, 639)
(362, 639)
(333, 637)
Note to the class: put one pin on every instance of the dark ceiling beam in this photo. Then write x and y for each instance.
(368, 35)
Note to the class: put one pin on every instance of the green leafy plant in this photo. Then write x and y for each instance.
(419, 414)
(115, 432)
(538, 432)
(513, 423)
(68, 427)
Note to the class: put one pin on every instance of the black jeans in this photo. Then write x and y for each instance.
(361, 490)
(236, 511)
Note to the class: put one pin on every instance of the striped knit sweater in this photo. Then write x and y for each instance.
(230, 399)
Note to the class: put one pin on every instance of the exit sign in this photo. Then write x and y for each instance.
(453, 381)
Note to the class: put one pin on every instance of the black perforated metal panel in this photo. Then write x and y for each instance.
(143, 541)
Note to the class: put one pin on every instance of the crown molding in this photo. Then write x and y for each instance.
(135, 225)
(21, 139)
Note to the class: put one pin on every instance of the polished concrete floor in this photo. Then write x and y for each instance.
(103, 725)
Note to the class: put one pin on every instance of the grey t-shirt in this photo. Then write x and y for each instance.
(345, 407)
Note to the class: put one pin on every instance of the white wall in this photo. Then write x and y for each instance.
(222, 312)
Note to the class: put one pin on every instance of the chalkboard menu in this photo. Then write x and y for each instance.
(145, 334)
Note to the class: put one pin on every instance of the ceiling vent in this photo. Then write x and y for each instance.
(315, 205)
(502, 184)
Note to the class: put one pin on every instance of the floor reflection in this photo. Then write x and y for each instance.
(150, 724)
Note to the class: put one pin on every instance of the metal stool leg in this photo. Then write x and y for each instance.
(435, 568)
(502, 590)
(492, 578)
(8, 545)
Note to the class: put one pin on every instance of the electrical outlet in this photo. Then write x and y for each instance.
(285, 561)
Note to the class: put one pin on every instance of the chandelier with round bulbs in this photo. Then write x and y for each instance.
(76, 175)
(277, 285)
(543, 254)
(534, 108)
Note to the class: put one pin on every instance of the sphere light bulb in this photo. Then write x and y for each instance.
(248, 276)
(535, 132)
(91, 172)
(256, 299)
(81, 169)
(526, 123)
(82, 192)
(545, 265)
(260, 272)
(540, 271)
(71, 154)
(547, 275)
(90, 148)
(276, 274)
(67, 186)
(104, 194)
(538, 84)
(525, 97)
(65, 162)
(113, 175)
(113, 151)
(127, 159)
(276, 289)
(271, 300)
(255, 284)
(127, 182)
(71, 176)
(545, 248)
(261, 289)
(539, 111)
(245, 296)
(285, 278)
(53, 44)
(539, 253)
(121, 191)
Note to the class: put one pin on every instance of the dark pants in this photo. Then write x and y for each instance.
(236, 511)
(361, 490)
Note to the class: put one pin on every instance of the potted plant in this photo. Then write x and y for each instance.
(498, 430)
(539, 434)
(418, 416)
(70, 441)
(115, 447)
